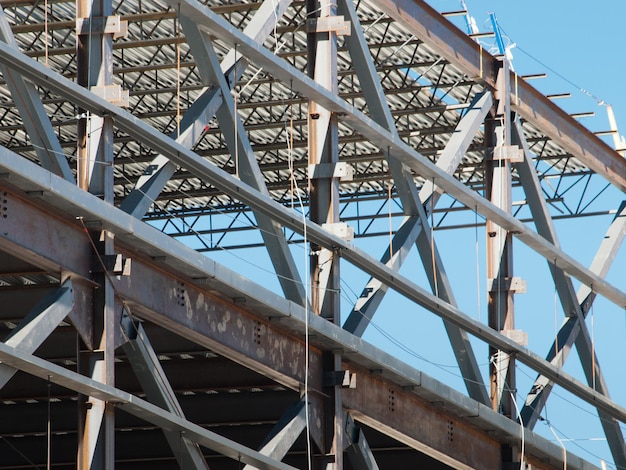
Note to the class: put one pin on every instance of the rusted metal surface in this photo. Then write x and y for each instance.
(419, 424)
(184, 308)
(248, 335)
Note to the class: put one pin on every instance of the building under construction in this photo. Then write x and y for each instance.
(185, 188)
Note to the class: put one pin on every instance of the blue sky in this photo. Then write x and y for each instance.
(581, 41)
(579, 48)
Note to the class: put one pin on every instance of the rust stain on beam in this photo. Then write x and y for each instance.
(184, 308)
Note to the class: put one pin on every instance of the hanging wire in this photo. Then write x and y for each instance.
(389, 206)
(295, 189)
(560, 442)
(46, 30)
(478, 306)
(523, 436)
(546, 419)
(556, 325)
(178, 47)
(235, 126)
(432, 240)
(49, 430)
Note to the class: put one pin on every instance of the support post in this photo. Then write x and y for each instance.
(153, 380)
(285, 433)
(500, 250)
(324, 207)
(38, 324)
(96, 448)
(358, 450)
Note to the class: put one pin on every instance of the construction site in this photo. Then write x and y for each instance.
(317, 234)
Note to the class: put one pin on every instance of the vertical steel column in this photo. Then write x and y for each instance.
(499, 243)
(95, 174)
(324, 202)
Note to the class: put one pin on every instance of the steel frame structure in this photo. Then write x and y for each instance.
(135, 134)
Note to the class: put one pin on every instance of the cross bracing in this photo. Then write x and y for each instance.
(423, 129)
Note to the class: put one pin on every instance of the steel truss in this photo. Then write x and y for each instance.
(125, 328)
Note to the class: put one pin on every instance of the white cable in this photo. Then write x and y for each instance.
(561, 443)
(477, 263)
(519, 416)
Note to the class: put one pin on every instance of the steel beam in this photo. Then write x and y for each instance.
(135, 406)
(458, 48)
(388, 408)
(36, 122)
(154, 382)
(285, 433)
(70, 198)
(415, 229)
(365, 125)
(358, 449)
(182, 309)
(574, 329)
(195, 120)
(350, 115)
(247, 167)
(412, 203)
(406, 236)
(38, 324)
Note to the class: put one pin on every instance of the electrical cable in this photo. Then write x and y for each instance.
(561, 443)
(178, 46)
(46, 32)
(389, 206)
